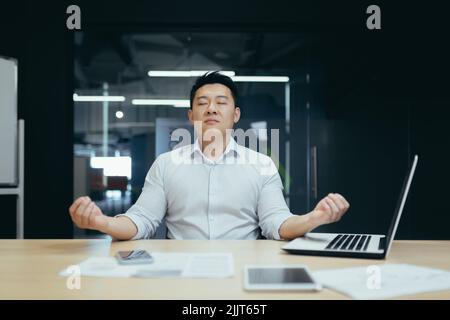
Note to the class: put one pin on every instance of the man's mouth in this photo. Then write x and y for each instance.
(211, 121)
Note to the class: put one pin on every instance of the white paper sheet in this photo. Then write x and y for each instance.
(209, 265)
(190, 265)
(384, 281)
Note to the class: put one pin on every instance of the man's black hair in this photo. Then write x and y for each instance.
(212, 78)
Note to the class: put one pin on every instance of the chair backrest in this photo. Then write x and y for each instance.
(161, 231)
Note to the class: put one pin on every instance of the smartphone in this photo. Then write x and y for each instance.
(276, 277)
(134, 257)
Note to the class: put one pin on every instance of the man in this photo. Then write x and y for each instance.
(213, 189)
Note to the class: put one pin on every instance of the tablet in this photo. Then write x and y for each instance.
(279, 277)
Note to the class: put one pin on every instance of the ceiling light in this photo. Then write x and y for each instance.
(192, 73)
(98, 98)
(119, 114)
(260, 79)
(178, 103)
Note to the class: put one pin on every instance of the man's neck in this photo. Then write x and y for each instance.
(215, 148)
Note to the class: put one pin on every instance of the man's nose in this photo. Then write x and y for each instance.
(211, 108)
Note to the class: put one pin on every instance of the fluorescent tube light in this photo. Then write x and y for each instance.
(260, 79)
(192, 73)
(98, 98)
(179, 103)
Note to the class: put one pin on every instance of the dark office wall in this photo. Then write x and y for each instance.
(360, 133)
(381, 98)
(8, 217)
(415, 78)
(34, 33)
(429, 103)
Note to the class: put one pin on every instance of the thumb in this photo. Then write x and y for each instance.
(321, 205)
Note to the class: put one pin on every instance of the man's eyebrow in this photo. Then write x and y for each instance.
(205, 97)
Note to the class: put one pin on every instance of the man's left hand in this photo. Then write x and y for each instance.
(330, 209)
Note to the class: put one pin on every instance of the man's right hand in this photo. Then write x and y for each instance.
(86, 215)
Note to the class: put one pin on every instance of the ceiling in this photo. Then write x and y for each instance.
(124, 59)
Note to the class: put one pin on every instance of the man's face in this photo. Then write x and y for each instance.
(214, 107)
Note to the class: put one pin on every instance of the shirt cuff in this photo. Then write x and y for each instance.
(140, 226)
(278, 221)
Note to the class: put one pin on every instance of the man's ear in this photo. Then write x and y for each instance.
(237, 114)
(190, 116)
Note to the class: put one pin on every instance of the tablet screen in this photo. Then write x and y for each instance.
(278, 276)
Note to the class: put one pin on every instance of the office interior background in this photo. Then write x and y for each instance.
(359, 103)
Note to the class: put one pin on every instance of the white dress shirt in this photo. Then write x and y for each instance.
(238, 196)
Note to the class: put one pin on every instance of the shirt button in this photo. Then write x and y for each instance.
(211, 219)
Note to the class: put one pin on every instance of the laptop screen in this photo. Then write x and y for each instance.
(400, 205)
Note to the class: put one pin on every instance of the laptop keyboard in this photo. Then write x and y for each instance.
(352, 242)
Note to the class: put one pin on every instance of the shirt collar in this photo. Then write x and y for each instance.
(231, 149)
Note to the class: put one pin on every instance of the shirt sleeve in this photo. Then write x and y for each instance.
(272, 208)
(150, 208)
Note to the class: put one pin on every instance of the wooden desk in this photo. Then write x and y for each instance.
(29, 269)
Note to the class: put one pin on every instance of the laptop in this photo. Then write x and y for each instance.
(367, 246)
